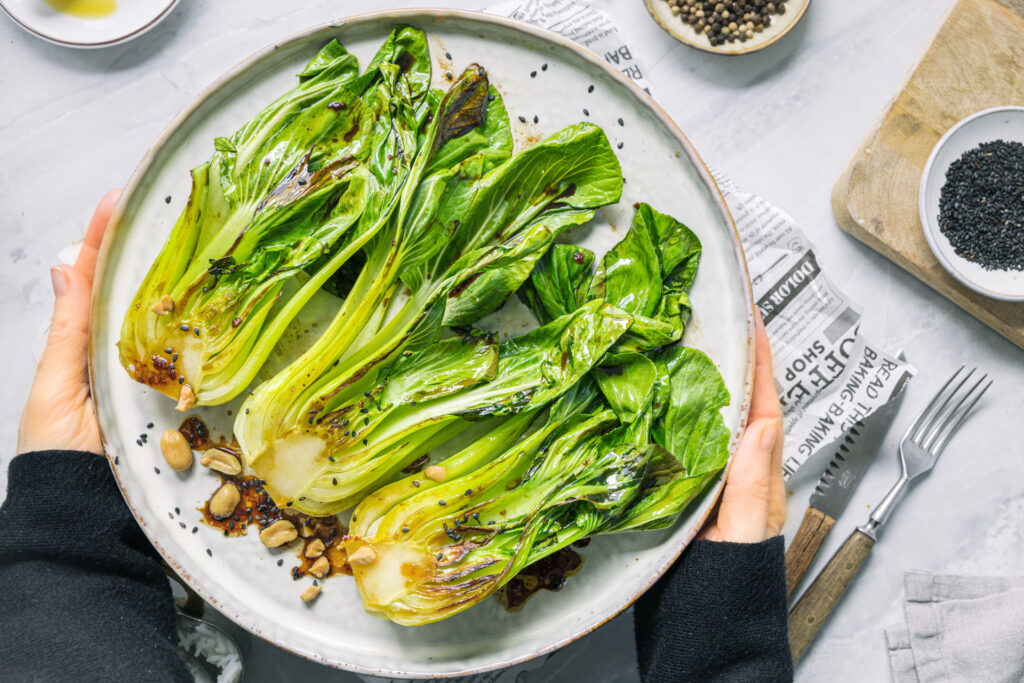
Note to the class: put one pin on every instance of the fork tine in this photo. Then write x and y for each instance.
(923, 420)
(920, 418)
(943, 414)
(956, 417)
(943, 431)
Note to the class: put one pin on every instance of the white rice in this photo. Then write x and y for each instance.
(210, 645)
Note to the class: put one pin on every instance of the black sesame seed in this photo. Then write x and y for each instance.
(364, 410)
(544, 66)
(405, 529)
(415, 483)
(621, 122)
(440, 556)
(469, 492)
(448, 55)
(183, 328)
(981, 205)
(167, 199)
(366, 420)
(177, 511)
(522, 119)
(195, 529)
(174, 358)
(117, 459)
(334, 480)
(280, 562)
(586, 112)
(168, 350)
(441, 503)
(209, 552)
(620, 145)
(149, 425)
(138, 442)
(365, 442)
(533, 74)
(289, 503)
(181, 380)
(157, 470)
(590, 89)
(535, 119)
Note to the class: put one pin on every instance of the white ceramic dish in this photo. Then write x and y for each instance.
(687, 34)
(241, 577)
(1006, 123)
(131, 19)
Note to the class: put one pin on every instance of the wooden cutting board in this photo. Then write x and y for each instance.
(976, 61)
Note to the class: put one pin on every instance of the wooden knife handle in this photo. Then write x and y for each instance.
(805, 545)
(817, 603)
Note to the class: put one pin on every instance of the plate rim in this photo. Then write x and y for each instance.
(53, 40)
(410, 16)
(931, 232)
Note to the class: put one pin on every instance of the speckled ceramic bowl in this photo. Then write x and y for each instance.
(239, 575)
(685, 33)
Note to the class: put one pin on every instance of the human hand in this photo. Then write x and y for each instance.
(753, 506)
(59, 413)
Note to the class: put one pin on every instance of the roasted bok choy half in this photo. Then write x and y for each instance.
(366, 399)
(318, 171)
(626, 448)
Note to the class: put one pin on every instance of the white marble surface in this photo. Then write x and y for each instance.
(782, 123)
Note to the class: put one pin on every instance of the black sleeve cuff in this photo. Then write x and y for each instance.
(83, 590)
(718, 614)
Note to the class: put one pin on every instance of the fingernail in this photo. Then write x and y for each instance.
(59, 280)
(769, 435)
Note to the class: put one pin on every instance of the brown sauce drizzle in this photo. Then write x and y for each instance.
(196, 433)
(257, 510)
(549, 573)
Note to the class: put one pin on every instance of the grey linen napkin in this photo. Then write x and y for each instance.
(959, 628)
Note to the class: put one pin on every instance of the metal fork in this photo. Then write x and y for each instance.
(927, 437)
(920, 448)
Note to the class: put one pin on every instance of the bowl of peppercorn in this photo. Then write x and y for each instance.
(972, 202)
(728, 27)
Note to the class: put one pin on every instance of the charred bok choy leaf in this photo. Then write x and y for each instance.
(319, 169)
(426, 550)
(428, 395)
(476, 223)
(626, 452)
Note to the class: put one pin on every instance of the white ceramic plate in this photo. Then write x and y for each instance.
(130, 19)
(240, 576)
(687, 34)
(1006, 123)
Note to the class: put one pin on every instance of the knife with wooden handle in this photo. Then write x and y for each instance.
(835, 488)
(818, 601)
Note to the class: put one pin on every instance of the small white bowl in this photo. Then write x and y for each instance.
(687, 34)
(129, 20)
(999, 123)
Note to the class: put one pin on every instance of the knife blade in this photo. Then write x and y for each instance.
(836, 486)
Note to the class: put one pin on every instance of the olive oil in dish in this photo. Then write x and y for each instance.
(84, 9)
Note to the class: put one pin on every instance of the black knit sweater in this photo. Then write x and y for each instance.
(83, 598)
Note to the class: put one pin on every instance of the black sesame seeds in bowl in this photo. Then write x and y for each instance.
(730, 27)
(971, 202)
